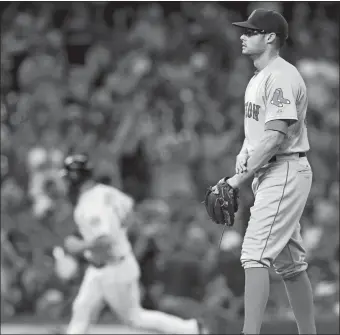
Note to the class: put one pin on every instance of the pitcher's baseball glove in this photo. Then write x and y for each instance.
(221, 203)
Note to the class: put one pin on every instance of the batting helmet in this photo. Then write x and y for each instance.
(77, 168)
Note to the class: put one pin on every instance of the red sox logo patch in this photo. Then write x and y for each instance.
(278, 100)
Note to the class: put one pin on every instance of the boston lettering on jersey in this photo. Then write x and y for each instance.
(252, 110)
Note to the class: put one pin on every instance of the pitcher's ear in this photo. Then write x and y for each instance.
(271, 38)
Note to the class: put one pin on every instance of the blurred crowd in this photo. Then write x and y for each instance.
(154, 94)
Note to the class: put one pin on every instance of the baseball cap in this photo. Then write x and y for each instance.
(269, 21)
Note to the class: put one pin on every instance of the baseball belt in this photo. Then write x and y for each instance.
(274, 158)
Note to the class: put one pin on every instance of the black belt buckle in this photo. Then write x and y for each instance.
(273, 159)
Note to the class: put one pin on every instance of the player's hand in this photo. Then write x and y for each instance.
(241, 163)
(65, 265)
(73, 245)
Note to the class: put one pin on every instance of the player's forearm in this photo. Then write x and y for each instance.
(83, 246)
(266, 149)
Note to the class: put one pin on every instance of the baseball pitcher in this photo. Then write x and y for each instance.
(274, 155)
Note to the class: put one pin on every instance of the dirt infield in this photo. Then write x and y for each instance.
(330, 326)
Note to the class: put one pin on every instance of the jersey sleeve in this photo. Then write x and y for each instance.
(121, 203)
(97, 222)
(280, 99)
